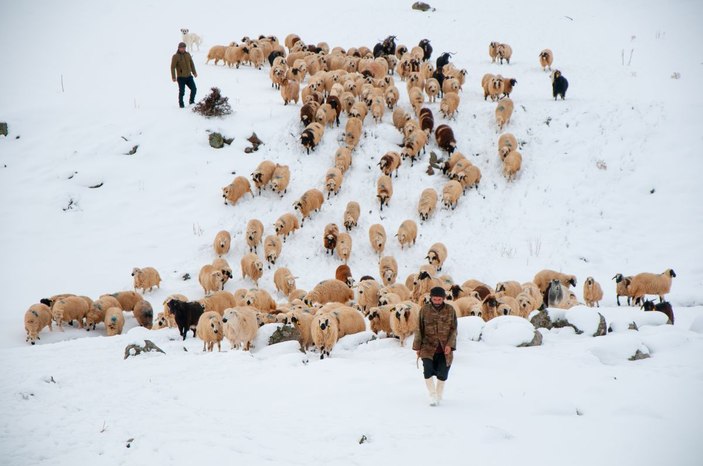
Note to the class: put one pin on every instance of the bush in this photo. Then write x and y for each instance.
(213, 105)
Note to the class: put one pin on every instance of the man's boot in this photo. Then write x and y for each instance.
(439, 390)
(432, 391)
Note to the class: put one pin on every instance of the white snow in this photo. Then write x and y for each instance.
(610, 184)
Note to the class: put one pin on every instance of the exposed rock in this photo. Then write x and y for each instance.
(422, 6)
(602, 327)
(285, 333)
(133, 150)
(536, 341)
(134, 350)
(542, 320)
(639, 355)
(216, 141)
(3, 128)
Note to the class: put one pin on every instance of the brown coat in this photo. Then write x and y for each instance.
(182, 65)
(436, 327)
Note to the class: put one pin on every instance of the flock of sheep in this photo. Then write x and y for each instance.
(356, 82)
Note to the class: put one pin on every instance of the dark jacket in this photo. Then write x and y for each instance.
(182, 65)
(435, 327)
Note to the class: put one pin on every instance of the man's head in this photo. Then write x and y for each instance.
(437, 295)
(181, 46)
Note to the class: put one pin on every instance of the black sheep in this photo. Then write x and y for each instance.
(186, 314)
(664, 307)
(272, 56)
(559, 85)
(443, 60)
(426, 49)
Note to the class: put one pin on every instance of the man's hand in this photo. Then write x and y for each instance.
(447, 350)
(195, 75)
(173, 79)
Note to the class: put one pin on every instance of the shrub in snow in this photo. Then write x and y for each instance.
(510, 331)
(214, 105)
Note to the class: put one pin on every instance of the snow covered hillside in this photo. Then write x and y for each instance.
(609, 184)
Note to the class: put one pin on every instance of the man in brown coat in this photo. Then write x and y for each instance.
(435, 339)
(183, 71)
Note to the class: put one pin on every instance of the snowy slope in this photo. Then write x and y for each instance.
(86, 81)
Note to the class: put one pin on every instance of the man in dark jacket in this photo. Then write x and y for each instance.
(183, 71)
(435, 340)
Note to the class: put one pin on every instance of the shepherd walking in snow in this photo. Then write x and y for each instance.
(183, 71)
(435, 340)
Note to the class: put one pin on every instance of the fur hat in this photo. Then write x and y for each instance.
(181, 44)
(438, 291)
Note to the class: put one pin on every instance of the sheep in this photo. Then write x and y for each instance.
(302, 320)
(163, 321)
(512, 163)
(326, 115)
(311, 136)
(210, 278)
(450, 84)
(664, 307)
(324, 332)
(469, 177)
(489, 307)
(509, 288)
(391, 97)
(224, 267)
(256, 57)
(69, 309)
(511, 303)
(144, 313)
(255, 230)
(649, 283)
(36, 318)
(445, 138)
(437, 255)
(343, 159)
(389, 163)
(114, 321)
(284, 280)
(432, 89)
(234, 55)
(344, 246)
(209, 329)
(533, 291)
(504, 110)
(377, 238)
(508, 84)
(412, 145)
(426, 120)
(310, 201)
(96, 312)
(236, 190)
(186, 315)
(368, 295)
(427, 203)
(449, 104)
(378, 108)
(262, 175)
(526, 304)
(404, 320)
(559, 296)
(507, 140)
(260, 299)
(621, 288)
(359, 110)
(285, 225)
(451, 192)
(220, 300)
(145, 278)
(380, 319)
(493, 51)
(308, 111)
(407, 233)
(290, 90)
(217, 53)
(329, 291)
(400, 118)
(329, 237)
(544, 277)
(384, 190)
(351, 215)
(504, 52)
(127, 299)
(352, 132)
(222, 242)
(240, 326)
(290, 40)
(280, 179)
(388, 270)
(343, 274)
(333, 181)
(398, 289)
(252, 267)
(349, 320)
(417, 98)
(592, 292)
(546, 57)
(559, 85)
(467, 306)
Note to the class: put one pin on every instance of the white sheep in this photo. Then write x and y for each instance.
(451, 192)
(114, 321)
(650, 283)
(252, 267)
(190, 39)
(437, 255)
(260, 299)
(69, 309)
(351, 215)
(219, 301)
(427, 203)
(209, 329)
(592, 292)
(343, 159)
(210, 278)
(236, 190)
(222, 242)
(512, 163)
(344, 246)
(404, 320)
(284, 280)
(509, 288)
(36, 318)
(324, 332)
(285, 225)
(368, 291)
(388, 270)
(240, 326)
(255, 230)
(146, 277)
(280, 179)
(407, 233)
(380, 319)
(261, 176)
(329, 291)
(310, 201)
(504, 110)
(333, 181)
(377, 238)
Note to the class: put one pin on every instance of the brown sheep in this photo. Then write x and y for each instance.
(285, 225)
(451, 192)
(209, 329)
(329, 237)
(377, 238)
(437, 255)
(407, 233)
(592, 292)
(351, 215)
(255, 230)
(262, 175)
(546, 57)
(284, 280)
(311, 136)
(236, 190)
(384, 190)
(144, 313)
(222, 242)
(36, 318)
(352, 132)
(343, 159)
(389, 163)
(280, 179)
(333, 181)
(621, 288)
(427, 203)
(272, 249)
(388, 270)
(310, 201)
(290, 90)
(147, 277)
(445, 138)
(210, 279)
(512, 163)
(252, 267)
(504, 110)
(329, 291)
(650, 283)
(344, 246)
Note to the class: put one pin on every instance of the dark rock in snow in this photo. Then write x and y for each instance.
(285, 333)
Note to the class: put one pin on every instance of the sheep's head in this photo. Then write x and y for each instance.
(136, 271)
(324, 324)
(184, 31)
(670, 272)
